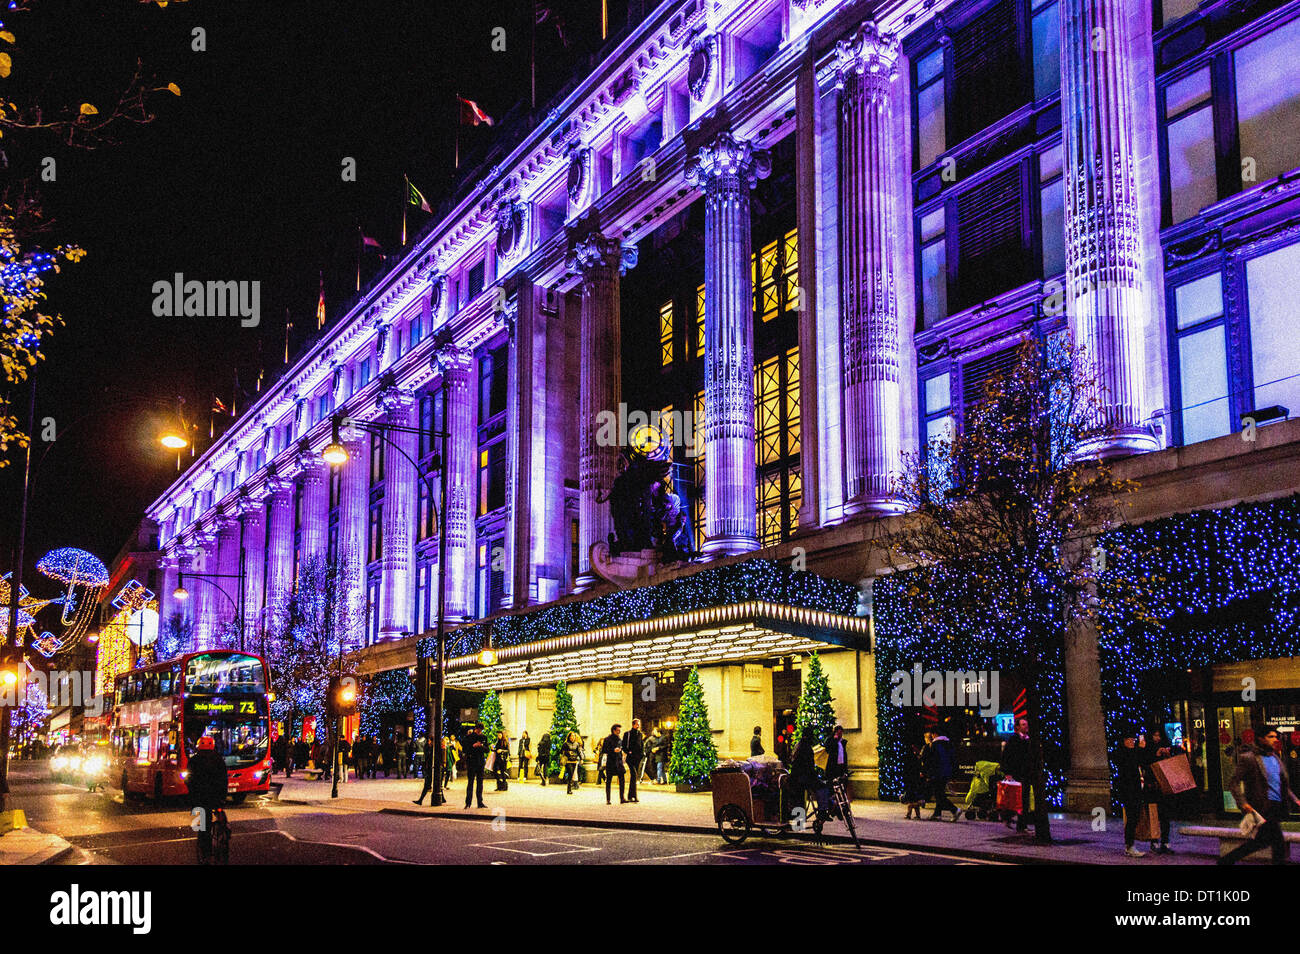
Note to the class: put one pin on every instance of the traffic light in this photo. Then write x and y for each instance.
(341, 700)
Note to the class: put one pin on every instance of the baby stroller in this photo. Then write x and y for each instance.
(981, 799)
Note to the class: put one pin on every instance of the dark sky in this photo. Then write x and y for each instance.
(238, 179)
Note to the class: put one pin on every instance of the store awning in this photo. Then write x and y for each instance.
(722, 634)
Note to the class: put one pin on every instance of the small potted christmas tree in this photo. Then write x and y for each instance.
(816, 715)
(694, 755)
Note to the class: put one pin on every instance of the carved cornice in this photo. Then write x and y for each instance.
(594, 253)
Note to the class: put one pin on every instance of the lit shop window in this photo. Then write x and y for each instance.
(699, 321)
(1199, 329)
(777, 423)
(666, 333)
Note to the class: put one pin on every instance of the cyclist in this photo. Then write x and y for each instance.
(207, 785)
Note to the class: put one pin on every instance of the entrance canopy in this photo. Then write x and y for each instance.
(740, 612)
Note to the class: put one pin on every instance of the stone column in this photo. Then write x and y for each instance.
(601, 261)
(726, 170)
(168, 605)
(866, 66)
(354, 512)
(315, 507)
(395, 595)
(201, 593)
(279, 546)
(253, 517)
(458, 420)
(1106, 295)
(224, 590)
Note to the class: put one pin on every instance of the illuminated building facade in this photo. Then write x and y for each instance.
(798, 235)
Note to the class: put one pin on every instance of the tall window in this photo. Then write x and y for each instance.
(934, 267)
(1272, 290)
(1051, 207)
(931, 124)
(697, 505)
(776, 276)
(1045, 28)
(666, 333)
(779, 484)
(375, 548)
(1254, 82)
(1199, 330)
(699, 321)
(937, 421)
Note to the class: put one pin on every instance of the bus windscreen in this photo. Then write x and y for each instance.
(225, 674)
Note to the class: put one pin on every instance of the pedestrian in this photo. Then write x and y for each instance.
(600, 763)
(388, 752)
(525, 755)
(570, 756)
(280, 752)
(658, 745)
(1017, 762)
(634, 753)
(452, 754)
(301, 753)
(804, 777)
(1159, 747)
(345, 753)
(417, 756)
(837, 756)
(1262, 790)
(426, 758)
(401, 755)
(376, 754)
(1128, 759)
(360, 756)
(913, 789)
(501, 760)
(611, 756)
(937, 768)
(544, 756)
(476, 750)
(756, 743)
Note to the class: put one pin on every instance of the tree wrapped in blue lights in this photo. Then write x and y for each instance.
(993, 544)
(694, 756)
(388, 693)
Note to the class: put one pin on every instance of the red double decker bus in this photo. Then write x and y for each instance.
(161, 711)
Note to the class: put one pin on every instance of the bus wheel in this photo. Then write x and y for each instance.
(157, 788)
(237, 798)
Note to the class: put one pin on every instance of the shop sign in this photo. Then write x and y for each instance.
(751, 679)
(614, 692)
(545, 698)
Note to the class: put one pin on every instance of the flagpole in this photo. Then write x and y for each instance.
(457, 164)
(406, 200)
(359, 253)
(532, 52)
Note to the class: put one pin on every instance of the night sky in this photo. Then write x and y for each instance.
(238, 179)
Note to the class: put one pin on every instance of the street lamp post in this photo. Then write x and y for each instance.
(336, 455)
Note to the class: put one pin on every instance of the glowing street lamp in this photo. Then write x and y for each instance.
(180, 594)
(173, 440)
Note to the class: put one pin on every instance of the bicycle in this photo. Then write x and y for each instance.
(840, 799)
(218, 841)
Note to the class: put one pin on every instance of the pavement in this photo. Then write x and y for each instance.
(27, 846)
(661, 808)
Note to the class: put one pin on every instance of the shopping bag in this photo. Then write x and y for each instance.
(1010, 796)
(1250, 823)
(1174, 774)
(1148, 827)
(490, 765)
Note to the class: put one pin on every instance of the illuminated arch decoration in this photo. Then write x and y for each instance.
(85, 577)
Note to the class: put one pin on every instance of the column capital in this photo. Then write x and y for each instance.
(250, 507)
(728, 162)
(595, 252)
(395, 401)
(311, 467)
(452, 359)
(869, 54)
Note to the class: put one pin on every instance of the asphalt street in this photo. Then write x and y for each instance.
(106, 830)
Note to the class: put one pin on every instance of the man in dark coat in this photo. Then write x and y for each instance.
(1129, 759)
(612, 750)
(837, 756)
(634, 750)
(1260, 785)
(756, 743)
(937, 767)
(476, 752)
(206, 782)
(1017, 763)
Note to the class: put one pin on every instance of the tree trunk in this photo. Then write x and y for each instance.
(1038, 778)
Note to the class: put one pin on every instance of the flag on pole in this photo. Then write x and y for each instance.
(219, 406)
(367, 240)
(416, 197)
(320, 304)
(472, 114)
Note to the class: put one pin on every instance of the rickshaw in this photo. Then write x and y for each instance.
(759, 795)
